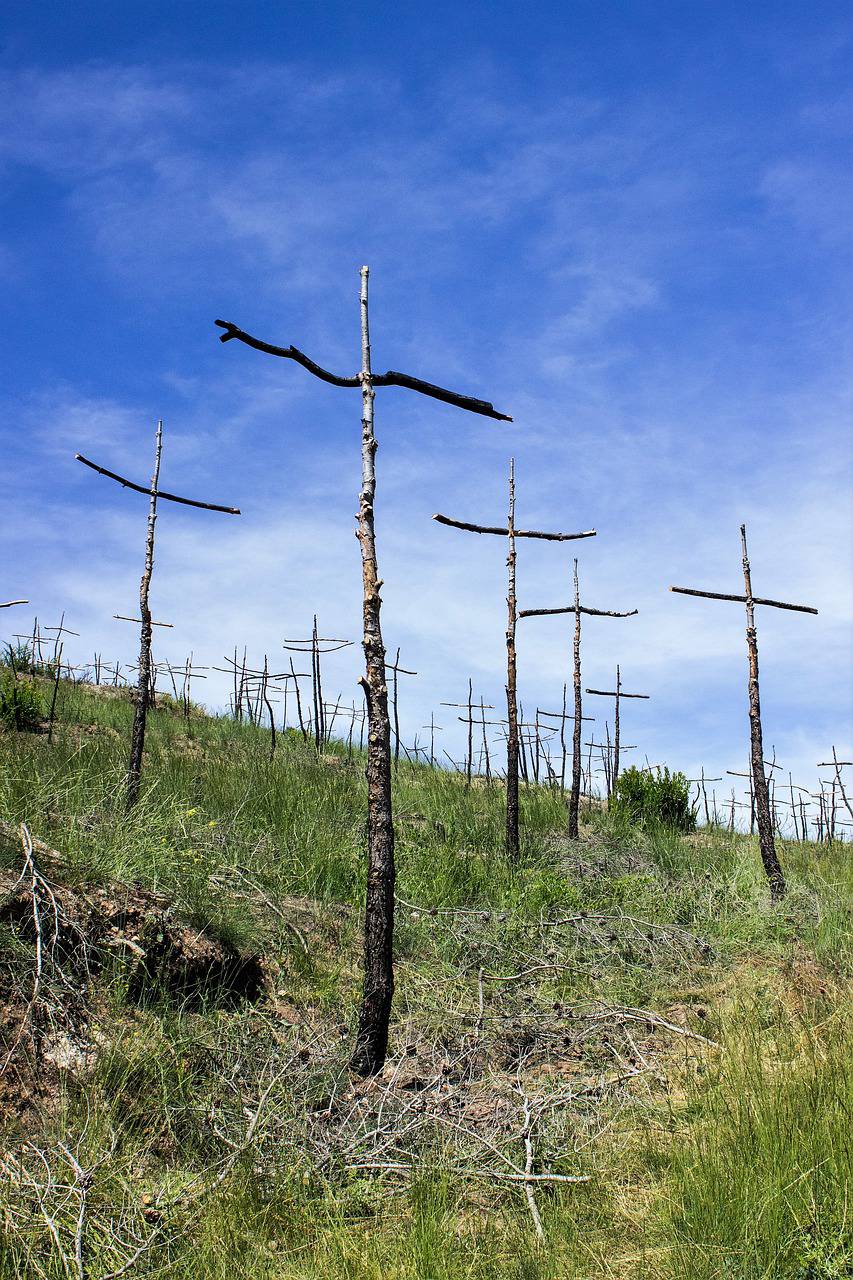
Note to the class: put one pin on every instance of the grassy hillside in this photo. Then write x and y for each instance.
(624, 1016)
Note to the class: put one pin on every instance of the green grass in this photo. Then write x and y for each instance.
(710, 1162)
(760, 1186)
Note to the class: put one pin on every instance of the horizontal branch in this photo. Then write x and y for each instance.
(612, 693)
(486, 706)
(722, 595)
(593, 613)
(519, 533)
(390, 379)
(8, 604)
(160, 493)
(563, 715)
(120, 617)
(307, 646)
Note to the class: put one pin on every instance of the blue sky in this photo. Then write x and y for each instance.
(629, 225)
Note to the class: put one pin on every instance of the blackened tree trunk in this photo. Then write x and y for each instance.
(372, 1039)
(143, 684)
(512, 840)
(575, 796)
(761, 794)
(616, 731)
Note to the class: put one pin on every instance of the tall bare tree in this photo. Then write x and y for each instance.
(512, 739)
(577, 609)
(143, 684)
(618, 694)
(761, 792)
(374, 1018)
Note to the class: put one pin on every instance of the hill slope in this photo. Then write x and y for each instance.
(624, 1018)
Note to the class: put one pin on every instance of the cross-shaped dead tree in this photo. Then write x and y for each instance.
(605, 752)
(330, 644)
(470, 706)
(563, 717)
(512, 740)
(577, 609)
(375, 1013)
(766, 839)
(699, 783)
(396, 671)
(838, 765)
(140, 712)
(618, 693)
(433, 727)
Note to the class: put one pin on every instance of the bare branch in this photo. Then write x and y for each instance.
(722, 595)
(519, 533)
(611, 693)
(594, 613)
(160, 493)
(120, 617)
(390, 379)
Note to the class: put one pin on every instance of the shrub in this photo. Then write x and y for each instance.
(654, 799)
(21, 705)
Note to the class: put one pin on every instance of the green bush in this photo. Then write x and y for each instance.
(21, 705)
(654, 799)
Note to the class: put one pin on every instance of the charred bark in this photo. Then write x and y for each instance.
(575, 794)
(375, 1014)
(140, 711)
(512, 836)
(761, 794)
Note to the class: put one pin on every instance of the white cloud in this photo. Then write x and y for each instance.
(540, 254)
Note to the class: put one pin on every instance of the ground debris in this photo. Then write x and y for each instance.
(57, 938)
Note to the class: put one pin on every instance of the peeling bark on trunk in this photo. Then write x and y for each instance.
(372, 1039)
(512, 839)
(137, 738)
(766, 841)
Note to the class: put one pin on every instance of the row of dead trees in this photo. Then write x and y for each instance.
(382, 746)
(797, 812)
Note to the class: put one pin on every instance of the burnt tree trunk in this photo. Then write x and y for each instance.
(766, 841)
(140, 711)
(616, 730)
(374, 1017)
(512, 842)
(563, 743)
(575, 796)
(396, 710)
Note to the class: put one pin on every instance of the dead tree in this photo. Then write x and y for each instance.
(396, 671)
(577, 609)
(512, 739)
(618, 693)
(700, 784)
(330, 644)
(470, 722)
(564, 717)
(766, 839)
(838, 765)
(375, 1014)
(733, 773)
(432, 726)
(143, 686)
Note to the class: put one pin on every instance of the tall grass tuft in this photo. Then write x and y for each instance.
(759, 1186)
